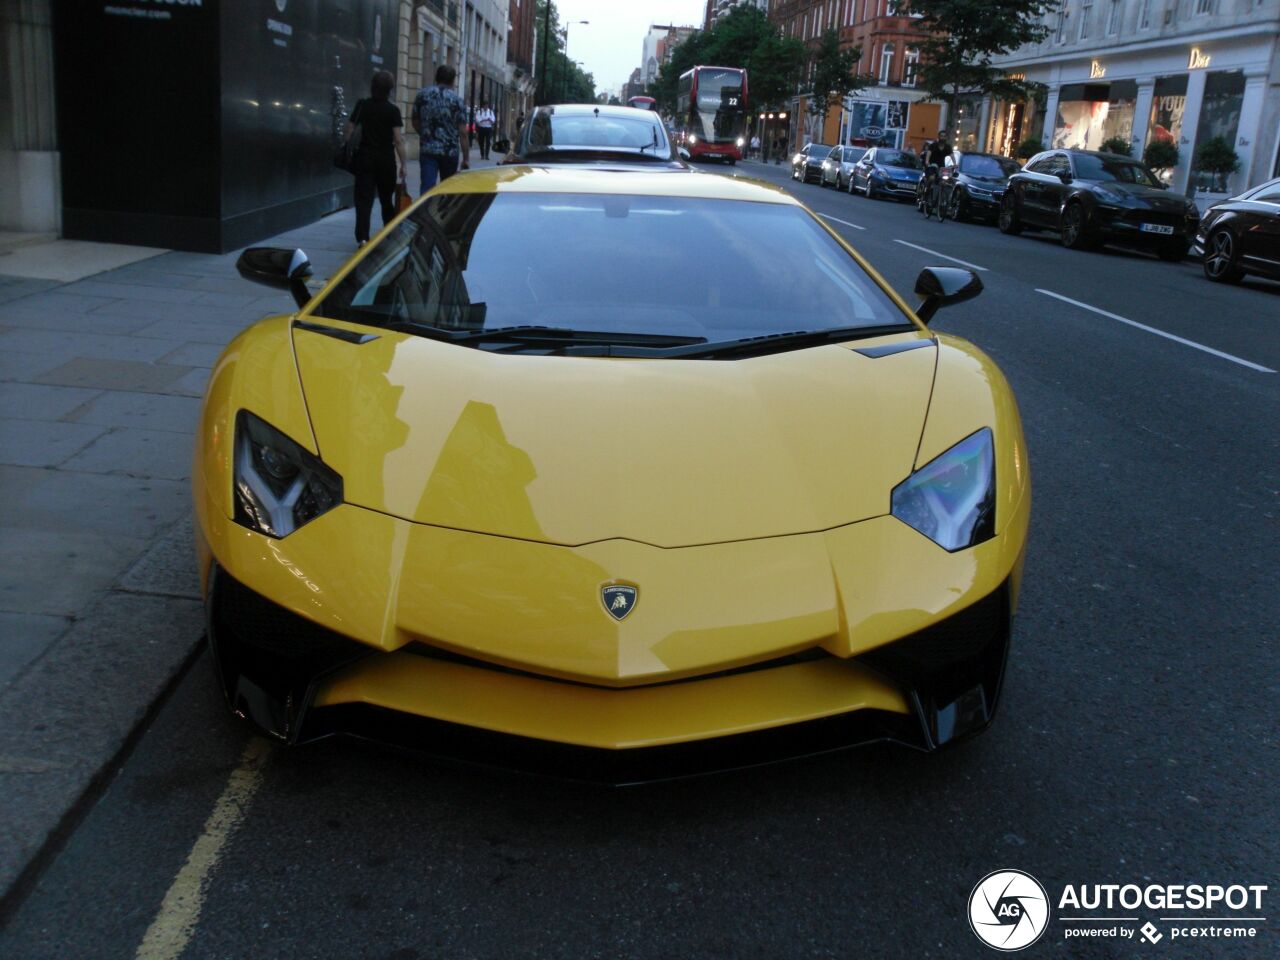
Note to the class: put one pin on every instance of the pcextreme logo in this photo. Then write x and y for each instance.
(1010, 910)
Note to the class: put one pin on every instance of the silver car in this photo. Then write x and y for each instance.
(837, 168)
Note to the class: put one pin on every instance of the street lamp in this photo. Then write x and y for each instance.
(568, 64)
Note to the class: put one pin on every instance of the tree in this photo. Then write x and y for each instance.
(743, 38)
(1216, 156)
(1118, 145)
(1161, 155)
(560, 79)
(833, 74)
(963, 36)
(1028, 148)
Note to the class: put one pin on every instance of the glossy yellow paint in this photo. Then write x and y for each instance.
(490, 497)
(388, 582)
(572, 450)
(612, 719)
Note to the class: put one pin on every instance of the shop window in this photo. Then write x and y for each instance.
(1089, 113)
(1219, 116)
(1168, 101)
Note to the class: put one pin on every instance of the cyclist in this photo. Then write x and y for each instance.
(935, 155)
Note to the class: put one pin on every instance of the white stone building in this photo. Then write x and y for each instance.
(1177, 70)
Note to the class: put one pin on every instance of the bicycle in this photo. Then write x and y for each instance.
(929, 194)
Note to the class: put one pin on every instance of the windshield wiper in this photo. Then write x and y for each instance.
(551, 336)
(769, 342)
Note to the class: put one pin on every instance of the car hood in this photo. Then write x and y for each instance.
(1150, 197)
(572, 450)
(903, 173)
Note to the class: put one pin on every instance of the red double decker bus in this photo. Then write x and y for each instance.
(711, 111)
(643, 103)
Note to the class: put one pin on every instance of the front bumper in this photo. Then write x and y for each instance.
(298, 681)
(899, 189)
(1125, 226)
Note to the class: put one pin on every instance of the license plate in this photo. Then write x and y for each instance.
(1156, 228)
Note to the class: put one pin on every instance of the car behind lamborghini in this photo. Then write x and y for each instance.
(494, 492)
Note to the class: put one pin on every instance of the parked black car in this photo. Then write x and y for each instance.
(807, 164)
(885, 172)
(1093, 198)
(976, 184)
(1242, 235)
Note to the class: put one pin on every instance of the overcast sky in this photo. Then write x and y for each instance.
(609, 46)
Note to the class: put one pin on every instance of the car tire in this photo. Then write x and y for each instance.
(1009, 221)
(957, 206)
(1222, 257)
(1074, 228)
(871, 191)
(853, 187)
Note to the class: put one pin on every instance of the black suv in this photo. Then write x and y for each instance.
(1093, 198)
(808, 162)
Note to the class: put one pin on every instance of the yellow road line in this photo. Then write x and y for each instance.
(173, 926)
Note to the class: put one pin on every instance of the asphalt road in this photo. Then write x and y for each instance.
(1136, 744)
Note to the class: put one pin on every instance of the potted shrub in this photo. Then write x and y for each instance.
(1217, 158)
(1028, 148)
(1161, 155)
(1120, 145)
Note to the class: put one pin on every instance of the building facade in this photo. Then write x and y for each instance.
(1182, 71)
(659, 44)
(889, 108)
(718, 8)
(483, 71)
(520, 53)
(430, 37)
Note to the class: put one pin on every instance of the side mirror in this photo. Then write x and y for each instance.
(1065, 177)
(277, 267)
(685, 154)
(943, 286)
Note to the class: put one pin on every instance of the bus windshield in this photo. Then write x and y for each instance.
(719, 113)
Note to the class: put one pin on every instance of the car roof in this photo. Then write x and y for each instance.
(532, 178)
(591, 109)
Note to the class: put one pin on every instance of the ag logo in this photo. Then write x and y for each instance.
(619, 599)
(1008, 910)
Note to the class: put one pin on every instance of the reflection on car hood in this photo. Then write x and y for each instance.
(572, 450)
(903, 172)
(1153, 197)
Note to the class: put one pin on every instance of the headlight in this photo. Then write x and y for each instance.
(740, 141)
(279, 486)
(951, 499)
(1111, 196)
(693, 138)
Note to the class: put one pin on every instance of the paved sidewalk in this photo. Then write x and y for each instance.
(100, 386)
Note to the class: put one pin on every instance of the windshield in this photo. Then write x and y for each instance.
(557, 131)
(980, 165)
(896, 158)
(818, 151)
(730, 269)
(854, 154)
(720, 113)
(1090, 167)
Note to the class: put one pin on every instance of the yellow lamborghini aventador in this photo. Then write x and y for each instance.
(632, 473)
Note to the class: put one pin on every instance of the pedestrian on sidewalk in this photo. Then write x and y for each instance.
(374, 162)
(485, 119)
(440, 118)
(755, 146)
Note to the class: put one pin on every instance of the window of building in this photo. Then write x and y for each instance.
(1060, 35)
(1113, 18)
(909, 64)
(886, 62)
(890, 8)
(1203, 7)
(1219, 117)
(1144, 15)
(1086, 8)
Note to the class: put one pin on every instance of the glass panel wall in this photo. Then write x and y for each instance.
(1219, 117)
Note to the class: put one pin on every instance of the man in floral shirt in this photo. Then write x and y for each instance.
(440, 119)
